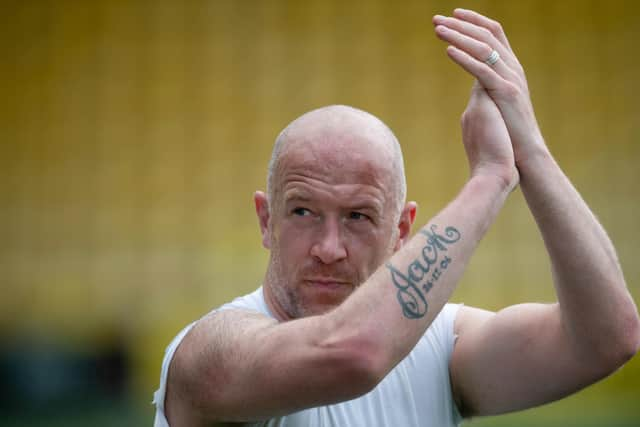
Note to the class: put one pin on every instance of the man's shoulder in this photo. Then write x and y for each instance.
(468, 318)
(252, 302)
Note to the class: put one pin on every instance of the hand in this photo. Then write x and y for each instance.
(472, 38)
(486, 139)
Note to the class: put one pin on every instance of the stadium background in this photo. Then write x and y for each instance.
(133, 134)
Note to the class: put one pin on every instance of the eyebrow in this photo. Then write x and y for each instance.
(301, 196)
(373, 208)
(364, 206)
(296, 196)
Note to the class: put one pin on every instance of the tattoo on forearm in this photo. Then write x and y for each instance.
(423, 272)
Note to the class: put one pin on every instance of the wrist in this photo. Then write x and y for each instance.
(503, 179)
(532, 151)
(537, 160)
(479, 202)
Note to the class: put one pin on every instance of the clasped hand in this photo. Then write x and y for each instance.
(499, 128)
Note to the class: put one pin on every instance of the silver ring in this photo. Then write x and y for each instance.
(493, 58)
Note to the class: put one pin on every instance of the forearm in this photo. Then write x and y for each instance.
(341, 354)
(392, 310)
(596, 308)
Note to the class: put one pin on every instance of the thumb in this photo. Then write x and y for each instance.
(478, 94)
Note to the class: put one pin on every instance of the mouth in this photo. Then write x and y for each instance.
(327, 283)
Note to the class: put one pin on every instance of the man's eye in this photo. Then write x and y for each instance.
(357, 216)
(301, 212)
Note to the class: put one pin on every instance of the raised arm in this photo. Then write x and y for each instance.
(531, 354)
(236, 366)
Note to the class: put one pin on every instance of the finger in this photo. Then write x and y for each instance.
(482, 21)
(477, 49)
(478, 33)
(486, 75)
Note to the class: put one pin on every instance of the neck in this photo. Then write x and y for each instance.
(272, 302)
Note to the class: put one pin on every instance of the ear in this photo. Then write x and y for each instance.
(407, 217)
(262, 211)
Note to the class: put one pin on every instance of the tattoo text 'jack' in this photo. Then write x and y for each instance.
(423, 272)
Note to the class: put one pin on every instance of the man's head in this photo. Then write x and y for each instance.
(334, 210)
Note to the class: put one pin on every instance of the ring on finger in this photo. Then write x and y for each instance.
(492, 58)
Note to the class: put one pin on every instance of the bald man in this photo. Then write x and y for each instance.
(352, 325)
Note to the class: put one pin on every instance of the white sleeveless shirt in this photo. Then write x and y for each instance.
(417, 392)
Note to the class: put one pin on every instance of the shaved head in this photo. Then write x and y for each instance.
(353, 132)
(334, 209)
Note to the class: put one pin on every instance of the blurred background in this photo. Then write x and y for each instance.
(133, 135)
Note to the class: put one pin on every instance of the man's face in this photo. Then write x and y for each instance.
(332, 222)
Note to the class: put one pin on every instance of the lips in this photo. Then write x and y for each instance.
(327, 283)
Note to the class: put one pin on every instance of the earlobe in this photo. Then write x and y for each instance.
(413, 209)
(262, 211)
(407, 217)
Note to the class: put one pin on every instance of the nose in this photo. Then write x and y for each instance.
(328, 246)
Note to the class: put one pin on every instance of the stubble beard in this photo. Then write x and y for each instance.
(285, 296)
(290, 296)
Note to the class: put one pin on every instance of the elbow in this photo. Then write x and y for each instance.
(356, 365)
(364, 367)
(631, 342)
(356, 356)
(374, 366)
(624, 342)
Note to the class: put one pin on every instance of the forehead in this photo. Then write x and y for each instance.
(336, 156)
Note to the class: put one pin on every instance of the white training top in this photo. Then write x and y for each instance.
(417, 392)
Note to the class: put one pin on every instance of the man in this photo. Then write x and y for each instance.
(352, 327)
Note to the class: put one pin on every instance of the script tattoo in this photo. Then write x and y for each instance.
(423, 272)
